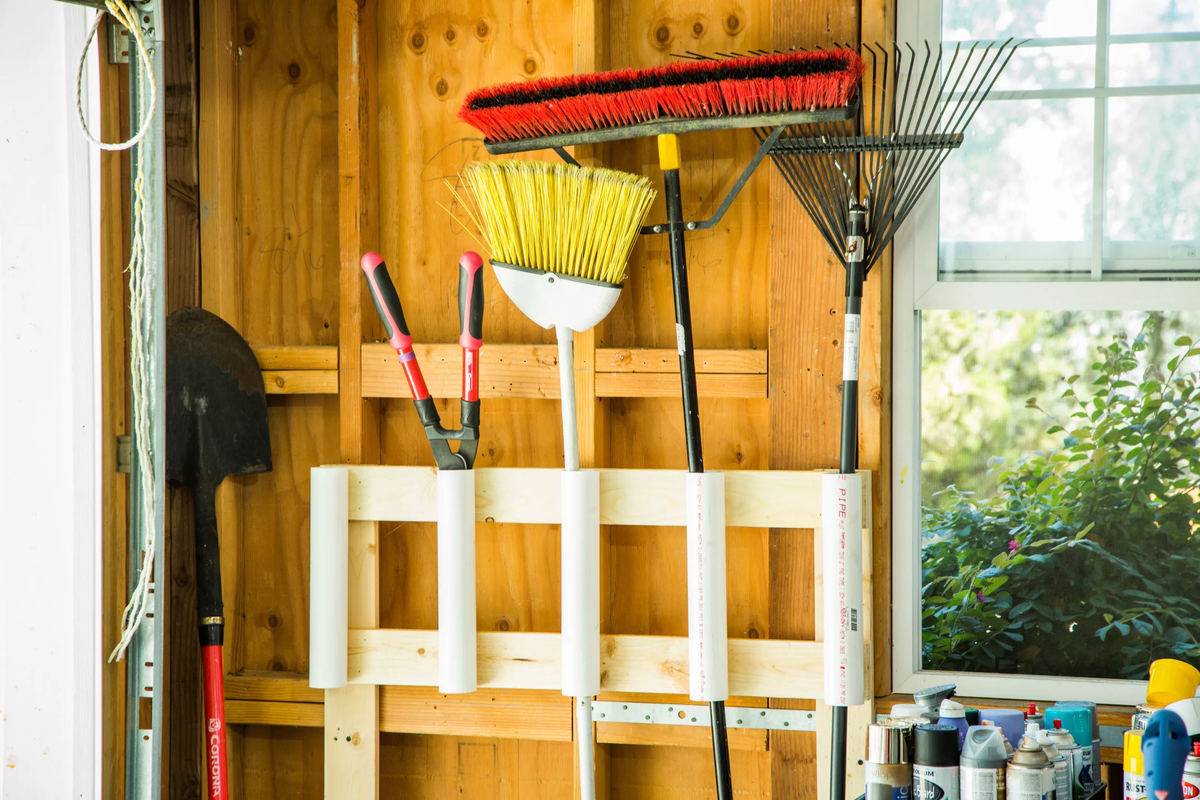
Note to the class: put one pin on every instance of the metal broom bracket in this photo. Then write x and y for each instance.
(777, 124)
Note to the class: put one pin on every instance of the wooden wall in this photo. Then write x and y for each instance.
(326, 128)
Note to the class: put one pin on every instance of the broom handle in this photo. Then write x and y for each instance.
(566, 383)
(668, 153)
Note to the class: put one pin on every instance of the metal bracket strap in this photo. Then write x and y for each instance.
(771, 719)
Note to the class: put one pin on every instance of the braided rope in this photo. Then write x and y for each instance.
(141, 284)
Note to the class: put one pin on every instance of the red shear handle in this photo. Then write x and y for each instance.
(217, 773)
(387, 303)
(470, 316)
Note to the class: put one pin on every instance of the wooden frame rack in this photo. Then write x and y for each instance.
(766, 668)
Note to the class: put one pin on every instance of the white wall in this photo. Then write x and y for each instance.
(49, 527)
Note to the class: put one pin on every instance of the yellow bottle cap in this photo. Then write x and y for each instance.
(1171, 680)
(1133, 752)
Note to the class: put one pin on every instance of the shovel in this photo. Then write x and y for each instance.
(216, 426)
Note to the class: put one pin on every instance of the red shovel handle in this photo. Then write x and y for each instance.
(214, 723)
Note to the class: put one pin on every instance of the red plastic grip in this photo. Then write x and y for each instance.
(217, 773)
(387, 303)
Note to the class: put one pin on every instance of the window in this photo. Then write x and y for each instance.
(1047, 490)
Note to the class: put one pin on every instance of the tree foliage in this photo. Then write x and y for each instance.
(1084, 560)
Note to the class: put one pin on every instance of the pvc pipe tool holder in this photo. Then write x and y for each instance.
(329, 577)
(708, 645)
(581, 583)
(457, 659)
(842, 560)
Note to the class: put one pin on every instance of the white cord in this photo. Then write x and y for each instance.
(119, 10)
(141, 284)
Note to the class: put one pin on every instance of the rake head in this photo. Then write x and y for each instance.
(915, 109)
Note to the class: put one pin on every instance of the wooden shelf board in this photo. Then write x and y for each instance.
(757, 667)
(513, 370)
(753, 498)
(737, 362)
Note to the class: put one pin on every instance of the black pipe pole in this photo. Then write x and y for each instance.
(691, 425)
(856, 243)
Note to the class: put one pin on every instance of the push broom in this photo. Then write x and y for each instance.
(560, 237)
(700, 94)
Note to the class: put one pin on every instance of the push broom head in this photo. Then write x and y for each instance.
(560, 235)
(796, 80)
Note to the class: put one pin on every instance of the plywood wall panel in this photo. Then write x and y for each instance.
(304, 434)
(287, 166)
(727, 265)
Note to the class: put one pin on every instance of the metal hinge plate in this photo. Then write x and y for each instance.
(118, 42)
(124, 453)
(774, 719)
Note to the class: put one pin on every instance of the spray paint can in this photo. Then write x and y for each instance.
(1135, 773)
(1077, 721)
(1091, 707)
(931, 698)
(889, 766)
(953, 713)
(1066, 745)
(1191, 774)
(935, 767)
(1025, 778)
(982, 764)
(1142, 715)
(1062, 767)
(1033, 715)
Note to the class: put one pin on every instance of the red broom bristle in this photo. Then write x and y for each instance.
(797, 80)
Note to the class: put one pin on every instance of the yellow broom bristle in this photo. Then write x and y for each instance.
(577, 221)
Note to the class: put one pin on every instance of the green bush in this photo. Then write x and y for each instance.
(1086, 561)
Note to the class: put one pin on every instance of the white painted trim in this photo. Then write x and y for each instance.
(50, 655)
(917, 288)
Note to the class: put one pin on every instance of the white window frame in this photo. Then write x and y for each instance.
(917, 288)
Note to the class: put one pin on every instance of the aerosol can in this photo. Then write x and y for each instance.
(1135, 773)
(889, 761)
(982, 765)
(935, 767)
(1066, 745)
(1191, 774)
(1026, 775)
(1062, 767)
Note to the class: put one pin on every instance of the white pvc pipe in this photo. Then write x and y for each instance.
(708, 655)
(456, 581)
(581, 583)
(328, 576)
(566, 383)
(841, 510)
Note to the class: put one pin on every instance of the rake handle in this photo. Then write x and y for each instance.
(848, 457)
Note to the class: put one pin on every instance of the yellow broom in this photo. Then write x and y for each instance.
(560, 237)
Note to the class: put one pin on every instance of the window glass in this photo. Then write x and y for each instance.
(970, 19)
(1023, 174)
(1154, 16)
(1060, 490)
(1154, 64)
(1153, 190)
(1032, 67)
